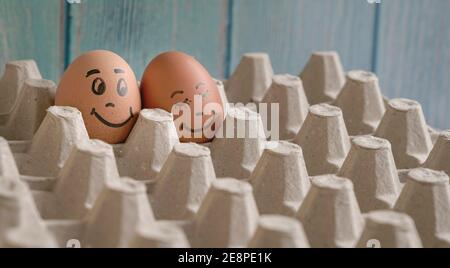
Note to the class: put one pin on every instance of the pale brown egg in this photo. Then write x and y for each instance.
(104, 88)
(173, 80)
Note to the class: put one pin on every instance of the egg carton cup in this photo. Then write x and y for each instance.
(371, 167)
(42, 158)
(323, 77)
(330, 213)
(280, 180)
(20, 222)
(426, 198)
(361, 103)
(251, 79)
(292, 106)
(404, 126)
(275, 231)
(121, 209)
(29, 96)
(324, 139)
(390, 229)
(13, 80)
(183, 182)
(24, 98)
(90, 167)
(160, 235)
(323, 80)
(240, 190)
(438, 159)
(122, 217)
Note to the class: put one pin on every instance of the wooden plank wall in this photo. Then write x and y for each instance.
(139, 30)
(413, 58)
(290, 30)
(31, 29)
(407, 42)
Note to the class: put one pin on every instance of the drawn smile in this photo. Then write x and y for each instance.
(205, 126)
(109, 124)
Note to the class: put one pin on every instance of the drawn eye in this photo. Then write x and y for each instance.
(122, 87)
(176, 93)
(200, 85)
(98, 86)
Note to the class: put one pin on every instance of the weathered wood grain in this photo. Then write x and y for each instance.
(33, 30)
(411, 54)
(289, 30)
(414, 55)
(138, 30)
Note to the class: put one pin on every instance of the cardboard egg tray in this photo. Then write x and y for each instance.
(353, 169)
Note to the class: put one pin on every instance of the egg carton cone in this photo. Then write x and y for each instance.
(371, 167)
(361, 103)
(389, 229)
(8, 167)
(122, 207)
(16, 73)
(330, 213)
(439, 157)
(238, 144)
(160, 235)
(443, 241)
(251, 79)
(287, 92)
(324, 139)
(50, 147)
(28, 238)
(27, 114)
(90, 166)
(183, 182)
(404, 126)
(228, 217)
(223, 95)
(19, 215)
(67, 233)
(148, 145)
(275, 231)
(72, 192)
(426, 198)
(323, 77)
(280, 180)
(434, 134)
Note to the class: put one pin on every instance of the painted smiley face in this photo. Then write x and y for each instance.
(174, 79)
(99, 88)
(104, 88)
(201, 94)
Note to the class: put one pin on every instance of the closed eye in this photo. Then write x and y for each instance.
(176, 93)
(199, 85)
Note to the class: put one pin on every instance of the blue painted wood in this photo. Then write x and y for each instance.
(141, 29)
(414, 55)
(33, 30)
(290, 30)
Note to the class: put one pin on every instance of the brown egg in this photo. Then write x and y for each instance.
(104, 88)
(173, 80)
